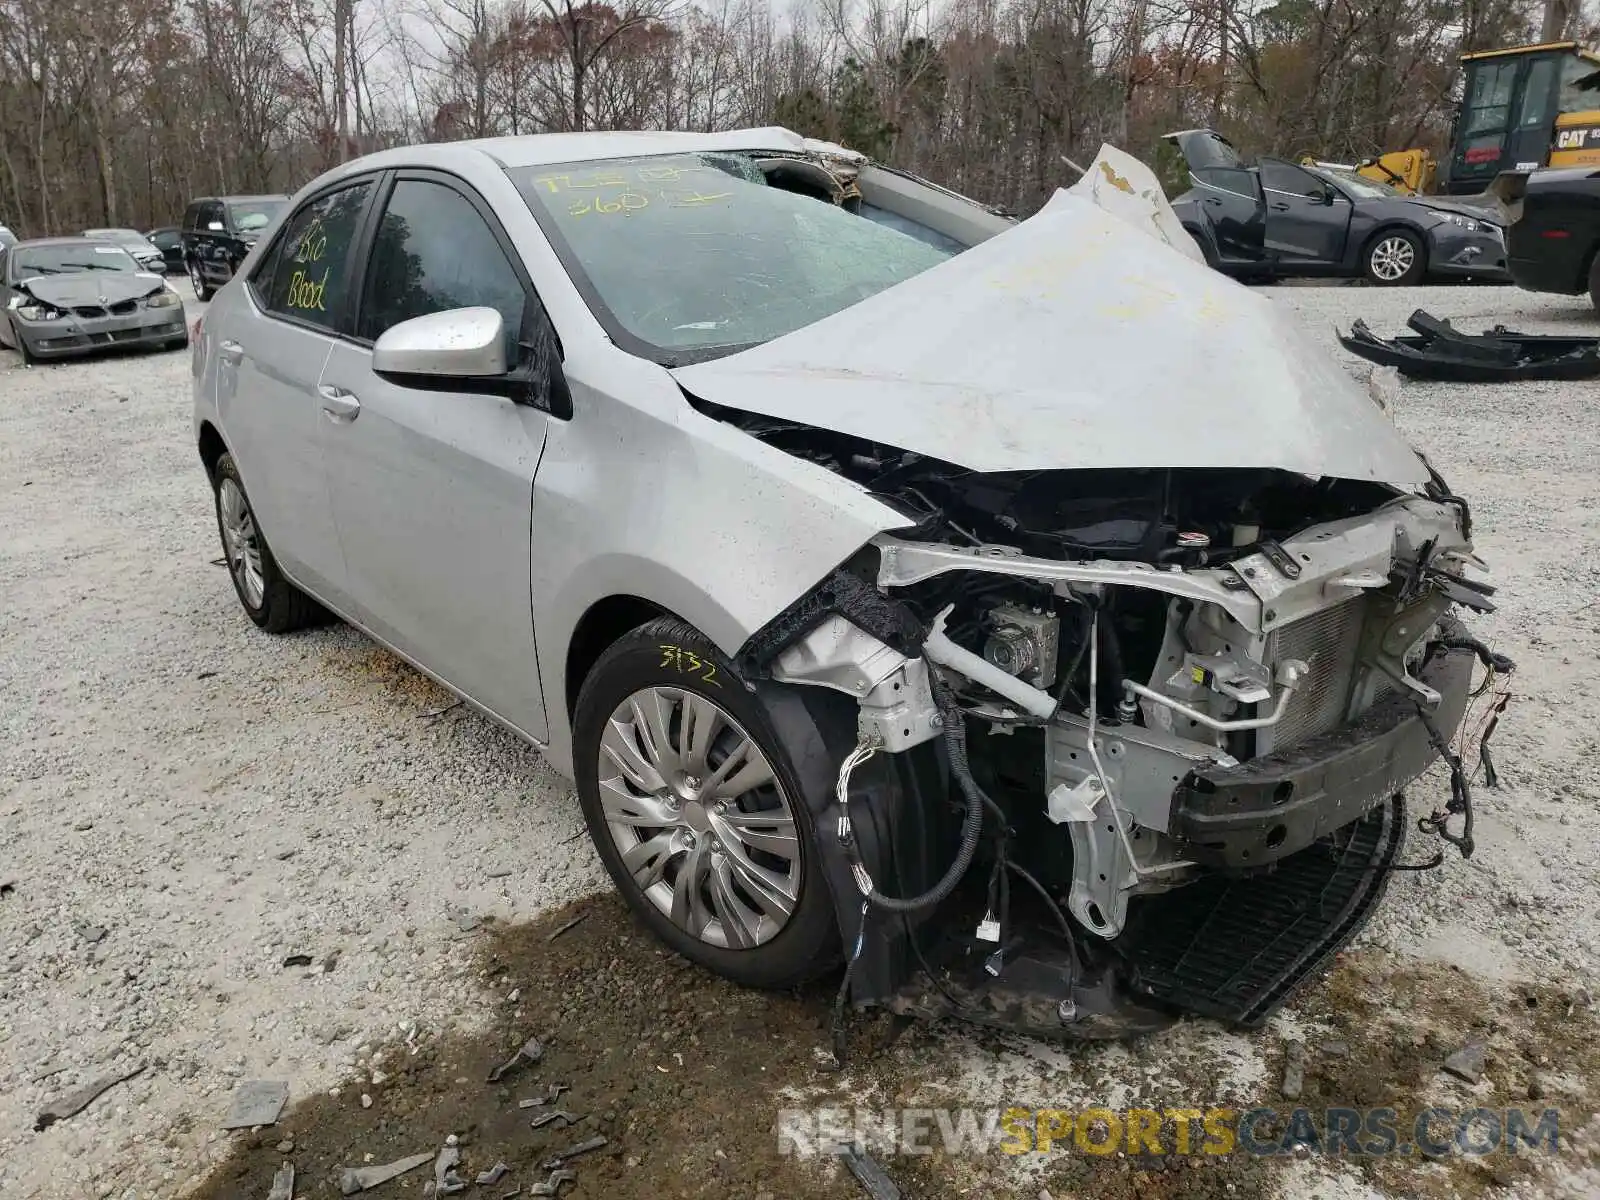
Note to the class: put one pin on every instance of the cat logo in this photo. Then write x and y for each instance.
(1573, 139)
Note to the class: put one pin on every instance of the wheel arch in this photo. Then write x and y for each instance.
(211, 447)
(1393, 225)
(603, 624)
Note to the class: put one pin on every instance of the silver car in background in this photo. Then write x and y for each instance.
(73, 296)
(979, 603)
(144, 252)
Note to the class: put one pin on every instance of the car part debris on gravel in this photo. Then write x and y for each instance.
(560, 1114)
(257, 1102)
(552, 1185)
(283, 1183)
(551, 1094)
(493, 1175)
(531, 1052)
(73, 1104)
(567, 928)
(558, 1161)
(874, 1180)
(360, 1179)
(446, 1181)
(1440, 351)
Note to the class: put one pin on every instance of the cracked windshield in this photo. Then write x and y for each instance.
(694, 255)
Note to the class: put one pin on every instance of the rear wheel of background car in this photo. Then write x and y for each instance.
(271, 601)
(693, 803)
(202, 289)
(1395, 257)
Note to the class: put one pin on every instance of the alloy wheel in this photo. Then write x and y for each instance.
(699, 817)
(1392, 258)
(240, 543)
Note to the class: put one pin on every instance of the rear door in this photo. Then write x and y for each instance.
(273, 338)
(1307, 221)
(433, 489)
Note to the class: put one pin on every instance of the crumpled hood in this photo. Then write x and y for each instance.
(92, 287)
(1074, 340)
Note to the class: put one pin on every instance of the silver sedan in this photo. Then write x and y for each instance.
(980, 603)
(73, 296)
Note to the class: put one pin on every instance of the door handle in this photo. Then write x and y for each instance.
(338, 403)
(1280, 206)
(230, 351)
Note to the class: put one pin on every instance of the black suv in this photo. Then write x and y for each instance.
(218, 231)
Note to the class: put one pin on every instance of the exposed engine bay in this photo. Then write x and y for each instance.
(1176, 707)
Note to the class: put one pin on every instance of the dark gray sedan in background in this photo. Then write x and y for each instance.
(66, 296)
(1275, 219)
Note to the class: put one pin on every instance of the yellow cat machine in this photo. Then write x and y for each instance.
(1522, 108)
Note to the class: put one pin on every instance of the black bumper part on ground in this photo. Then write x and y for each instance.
(1235, 948)
(1275, 805)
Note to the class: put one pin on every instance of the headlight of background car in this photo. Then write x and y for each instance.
(165, 298)
(37, 312)
(1461, 222)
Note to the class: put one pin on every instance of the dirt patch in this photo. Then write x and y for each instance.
(679, 1070)
(364, 665)
(1389, 1028)
(686, 1075)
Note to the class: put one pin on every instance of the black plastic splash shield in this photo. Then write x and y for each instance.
(1236, 947)
(1439, 351)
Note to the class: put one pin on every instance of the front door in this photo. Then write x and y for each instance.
(1307, 220)
(433, 490)
(272, 341)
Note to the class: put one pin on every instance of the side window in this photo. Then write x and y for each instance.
(191, 217)
(1580, 85)
(432, 252)
(1534, 110)
(1238, 180)
(1282, 177)
(210, 214)
(1489, 103)
(307, 273)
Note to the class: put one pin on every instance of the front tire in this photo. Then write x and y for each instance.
(693, 803)
(197, 280)
(269, 599)
(1395, 258)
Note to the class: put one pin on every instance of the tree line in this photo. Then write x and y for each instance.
(119, 114)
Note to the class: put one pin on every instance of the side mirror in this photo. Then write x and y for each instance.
(214, 226)
(460, 343)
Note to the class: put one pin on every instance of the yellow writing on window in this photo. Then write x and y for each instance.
(308, 294)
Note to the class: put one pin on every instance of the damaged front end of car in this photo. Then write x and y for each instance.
(1129, 740)
(1161, 721)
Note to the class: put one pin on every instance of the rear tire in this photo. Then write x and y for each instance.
(1394, 258)
(269, 599)
(731, 878)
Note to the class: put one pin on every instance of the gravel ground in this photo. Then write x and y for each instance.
(188, 802)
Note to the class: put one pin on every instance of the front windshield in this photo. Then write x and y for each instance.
(27, 261)
(252, 216)
(691, 256)
(1359, 185)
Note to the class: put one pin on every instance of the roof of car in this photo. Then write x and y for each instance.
(235, 199)
(59, 241)
(542, 149)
